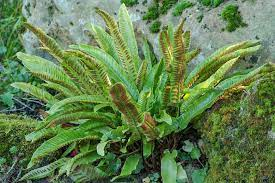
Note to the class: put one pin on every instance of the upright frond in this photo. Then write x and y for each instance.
(128, 34)
(178, 64)
(120, 43)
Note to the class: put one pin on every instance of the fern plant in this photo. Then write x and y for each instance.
(110, 103)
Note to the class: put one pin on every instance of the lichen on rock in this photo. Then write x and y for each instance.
(237, 137)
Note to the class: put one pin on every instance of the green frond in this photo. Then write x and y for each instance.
(43, 133)
(187, 40)
(196, 105)
(80, 73)
(78, 99)
(178, 64)
(115, 71)
(238, 53)
(218, 75)
(207, 67)
(80, 159)
(35, 91)
(59, 141)
(44, 171)
(82, 115)
(124, 53)
(46, 40)
(125, 105)
(128, 34)
(97, 72)
(84, 175)
(191, 55)
(149, 54)
(166, 48)
(141, 75)
(60, 89)
(46, 70)
(105, 41)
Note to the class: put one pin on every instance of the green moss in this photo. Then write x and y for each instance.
(155, 27)
(129, 2)
(152, 13)
(181, 6)
(213, 3)
(166, 5)
(236, 138)
(233, 18)
(12, 138)
(206, 2)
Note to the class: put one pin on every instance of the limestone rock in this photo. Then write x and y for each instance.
(65, 20)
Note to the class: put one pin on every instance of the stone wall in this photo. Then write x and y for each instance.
(65, 20)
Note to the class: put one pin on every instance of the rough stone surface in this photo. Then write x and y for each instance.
(65, 20)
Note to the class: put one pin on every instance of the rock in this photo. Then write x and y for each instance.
(65, 20)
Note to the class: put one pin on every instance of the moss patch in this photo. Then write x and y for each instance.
(233, 18)
(155, 27)
(236, 136)
(181, 6)
(129, 2)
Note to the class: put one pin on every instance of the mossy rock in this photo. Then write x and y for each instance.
(12, 138)
(237, 136)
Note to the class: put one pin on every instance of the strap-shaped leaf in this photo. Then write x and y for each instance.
(187, 40)
(128, 34)
(141, 75)
(35, 91)
(59, 141)
(126, 105)
(46, 70)
(191, 55)
(44, 171)
(124, 54)
(166, 48)
(129, 166)
(82, 158)
(202, 68)
(199, 103)
(105, 41)
(218, 75)
(178, 64)
(78, 99)
(46, 40)
(74, 117)
(114, 70)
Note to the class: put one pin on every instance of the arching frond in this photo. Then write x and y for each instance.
(44, 171)
(78, 99)
(205, 68)
(46, 70)
(58, 141)
(115, 71)
(46, 40)
(35, 91)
